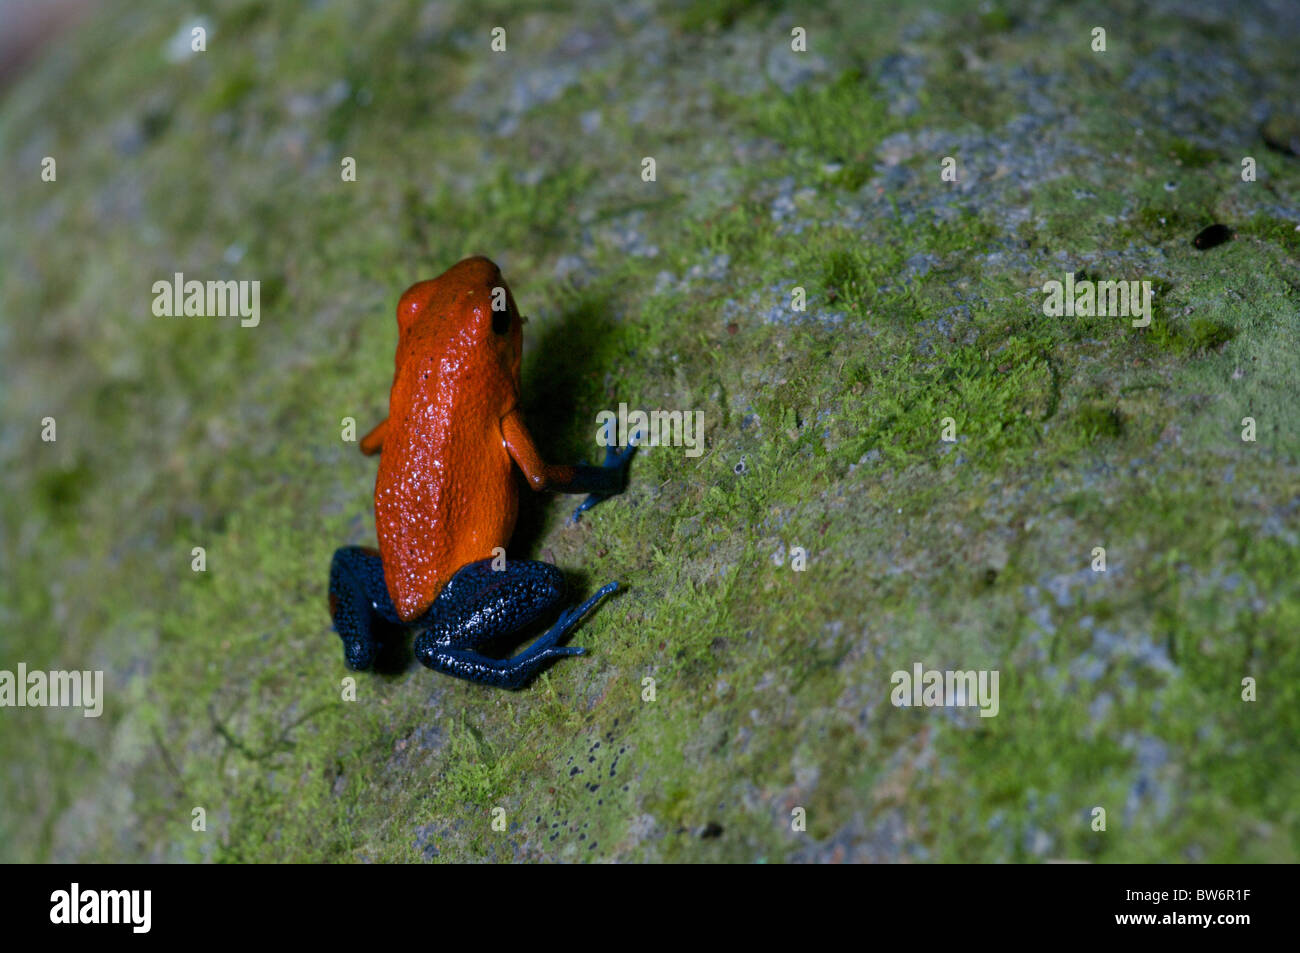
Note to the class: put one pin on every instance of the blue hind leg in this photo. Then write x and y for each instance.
(480, 604)
(359, 601)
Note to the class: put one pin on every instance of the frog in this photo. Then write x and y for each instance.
(447, 495)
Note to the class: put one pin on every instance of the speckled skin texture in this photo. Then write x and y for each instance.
(477, 605)
(446, 495)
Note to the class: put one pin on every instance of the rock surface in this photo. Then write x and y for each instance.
(736, 701)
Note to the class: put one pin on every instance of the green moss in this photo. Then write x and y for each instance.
(60, 490)
(850, 176)
(1190, 155)
(1162, 222)
(1282, 232)
(997, 20)
(840, 121)
(692, 15)
(1190, 338)
(844, 276)
(968, 234)
(1096, 421)
(994, 397)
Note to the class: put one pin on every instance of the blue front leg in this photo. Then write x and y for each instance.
(609, 479)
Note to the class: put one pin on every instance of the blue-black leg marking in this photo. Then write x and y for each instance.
(358, 597)
(480, 604)
(609, 479)
(477, 605)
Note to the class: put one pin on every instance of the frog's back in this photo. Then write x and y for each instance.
(446, 493)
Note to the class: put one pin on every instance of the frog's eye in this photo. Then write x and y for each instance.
(500, 321)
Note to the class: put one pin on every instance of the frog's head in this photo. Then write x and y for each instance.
(468, 306)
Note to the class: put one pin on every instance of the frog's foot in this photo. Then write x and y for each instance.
(516, 671)
(359, 652)
(358, 599)
(617, 460)
(548, 645)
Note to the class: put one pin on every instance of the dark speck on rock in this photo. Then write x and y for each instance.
(1213, 235)
(711, 830)
(1282, 134)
